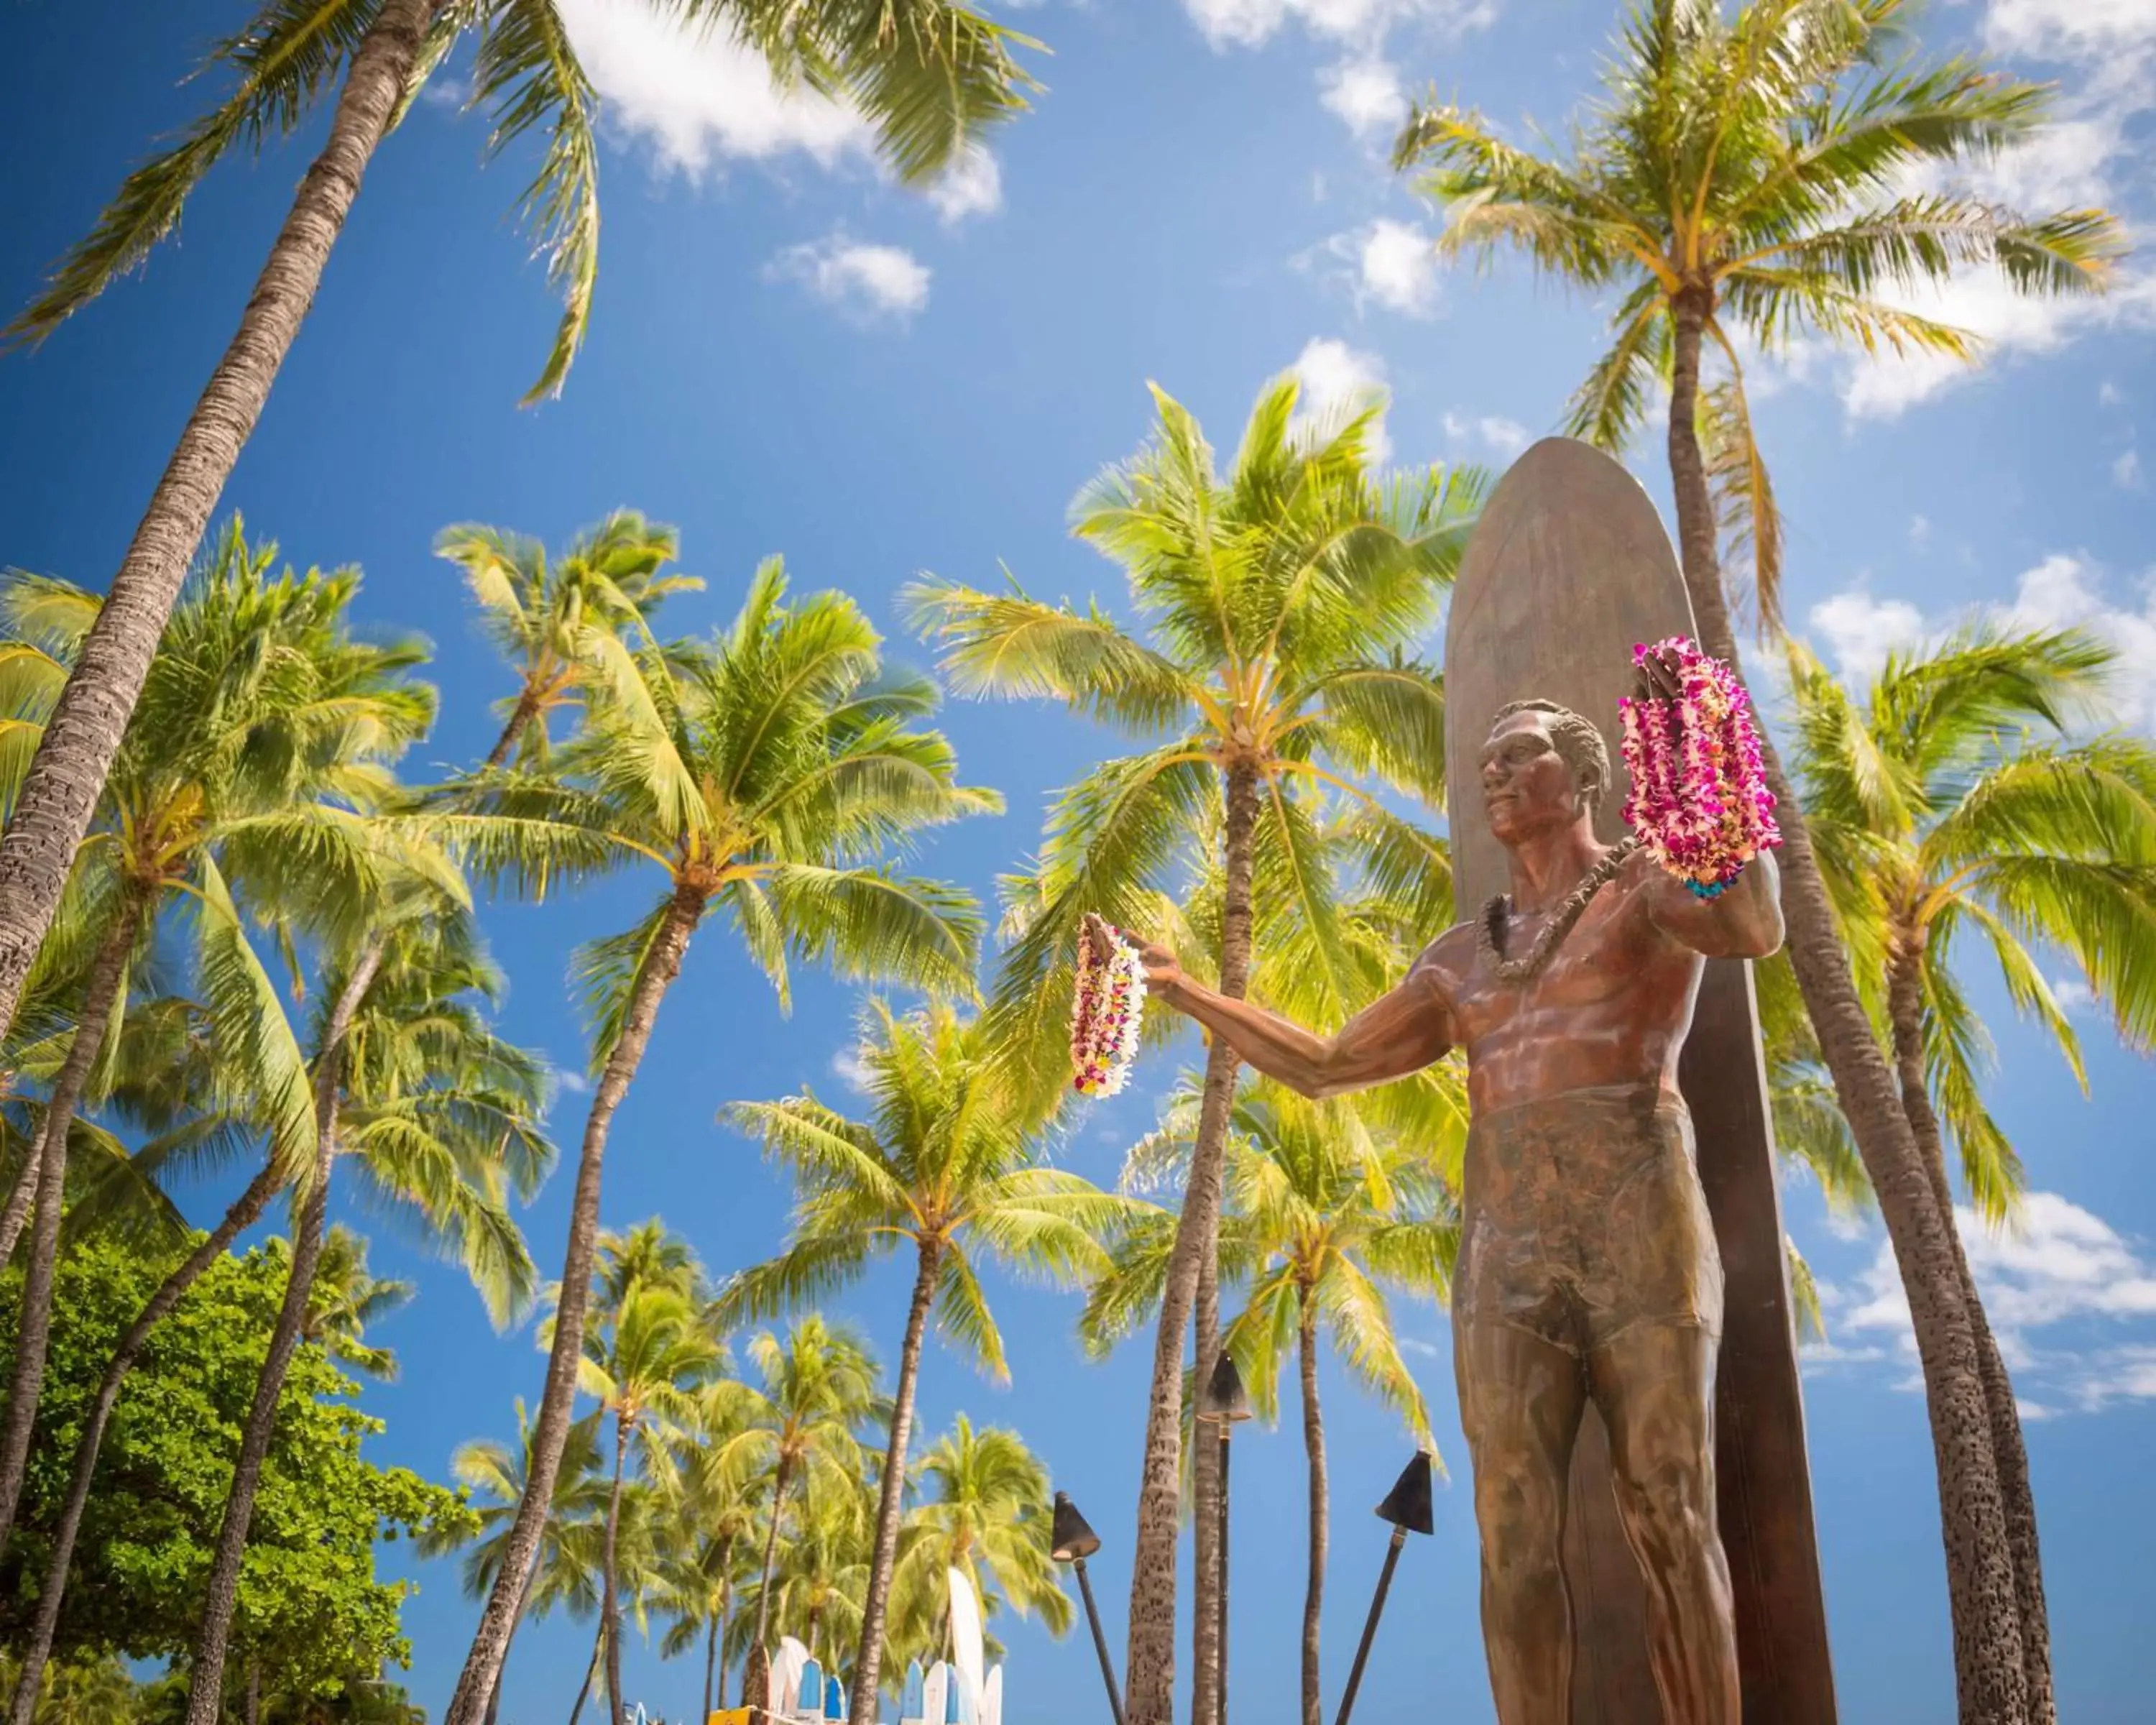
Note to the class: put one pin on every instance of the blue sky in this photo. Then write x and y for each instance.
(791, 355)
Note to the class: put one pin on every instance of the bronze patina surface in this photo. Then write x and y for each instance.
(1587, 1353)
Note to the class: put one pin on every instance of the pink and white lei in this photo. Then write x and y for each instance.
(1699, 799)
(1105, 1015)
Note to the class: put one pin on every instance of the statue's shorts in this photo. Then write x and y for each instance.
(1584, 1216)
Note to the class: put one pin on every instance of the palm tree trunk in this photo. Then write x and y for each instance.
(591, 1671)
(67, 773)
(868, 1658)
(19, 1197)
(1150, 1685)
(814, 1624)
(516, 1623)
(34, 1326)
(221, 1593)
(771, 1549)
(237, 1220)
(711, 1661)
(610, 1597)
(726, 1626)
(1988, 1659)
(1905, 1010)
(526, 710)
(1313, 1447)
(490, 1641)
(1206, 1697)
(255, 1690)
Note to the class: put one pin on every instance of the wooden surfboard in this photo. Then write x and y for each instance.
(1568, 568)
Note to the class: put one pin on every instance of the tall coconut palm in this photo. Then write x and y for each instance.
(1950, 804)
(929, 77)
(700, 1575)
(818, 1391)
(448, 1153)
(644, 1356)
(1747, 175)
(565, 1570)
(435, 1110)
(821, 1574)
(984, 1513)
(261, 747)
(1322, 1213)
(1285, 600)
(346, 1299)
(769, 775)
(945, 1163)
(537, 610)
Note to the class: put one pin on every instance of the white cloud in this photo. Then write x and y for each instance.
(973, 185)
(695, 95)
(2056, 1287)
(2126, 471)
(1397, 267)
(575, 1083)
(1504, 436)
(1860, 631)
(1367, 95)
(2106, 51)
(2073, 993)
(1336, 377)
(850, 1068)
(1920, 530)
(2065, 592)
(2108, 394)
(1363, 89)
(865, 281)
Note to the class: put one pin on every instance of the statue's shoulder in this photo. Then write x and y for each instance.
(1446, 961)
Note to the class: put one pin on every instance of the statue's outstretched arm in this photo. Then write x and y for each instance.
(1401, 1032)
(1743, 921)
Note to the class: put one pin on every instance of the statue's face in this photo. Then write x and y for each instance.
(1527, 787)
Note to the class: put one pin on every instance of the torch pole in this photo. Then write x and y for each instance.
(1370, 1624)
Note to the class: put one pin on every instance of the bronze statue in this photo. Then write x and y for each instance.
(1588, 1264)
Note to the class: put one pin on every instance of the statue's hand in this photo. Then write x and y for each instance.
(1660, 677)
(1163, 973)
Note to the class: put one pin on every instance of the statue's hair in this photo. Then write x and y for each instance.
(1578, 741)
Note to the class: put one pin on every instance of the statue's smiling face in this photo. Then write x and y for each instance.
(1526, 786)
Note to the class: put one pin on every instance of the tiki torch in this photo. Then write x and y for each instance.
(1407, 1506)
(1224, 1405)
(1073, 1542)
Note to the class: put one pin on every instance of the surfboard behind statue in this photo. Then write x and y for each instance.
(1568, 568)
(935, 1695)
(910, 1708)
(966, 1639)
(991, 1698)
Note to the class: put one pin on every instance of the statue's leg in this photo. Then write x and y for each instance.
(1653, 1383)
(1520, 1398)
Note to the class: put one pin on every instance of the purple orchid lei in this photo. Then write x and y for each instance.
(1105, 1015)
(1699, 799)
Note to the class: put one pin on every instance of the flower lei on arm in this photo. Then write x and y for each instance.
(1699, 799)
(1105, 1014)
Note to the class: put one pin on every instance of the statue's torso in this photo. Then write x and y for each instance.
(1610, 1007)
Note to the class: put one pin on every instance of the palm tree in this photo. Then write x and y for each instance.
(346, 1299)
(643, 1357)
(1953, 801)
(1744, 178)
(564, 1569)
(434, 1110)
(768, 774)
(821, 1575)
(264, 737)
(700, 1578)
(441, 1119)
(928, 76)
(1285, 599)
(945, 1163)
(985, 1514)
(1323, 1212)
(819, 1389)
(537, 611)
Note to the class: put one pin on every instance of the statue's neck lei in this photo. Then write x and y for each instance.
(1699, 799)
(1105, 1015)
